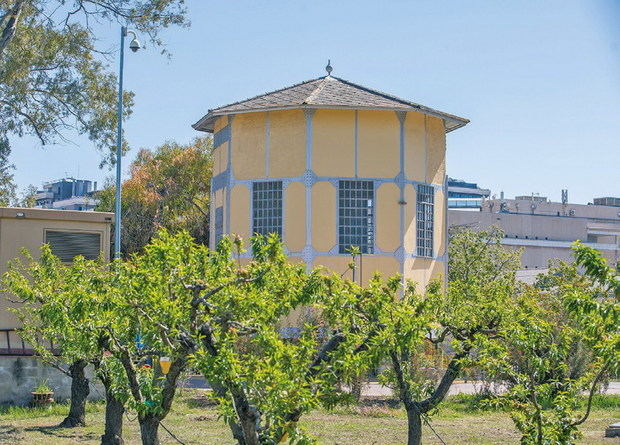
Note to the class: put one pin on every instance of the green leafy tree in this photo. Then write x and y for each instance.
(54, 80)
(28, 197)
(562, 341)
(7, 185)
(464, 317)
(169, 188)
(265, 381)
(61, 305)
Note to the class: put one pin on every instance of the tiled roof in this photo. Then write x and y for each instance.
(324, 92)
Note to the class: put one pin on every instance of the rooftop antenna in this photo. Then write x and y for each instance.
(329, 68)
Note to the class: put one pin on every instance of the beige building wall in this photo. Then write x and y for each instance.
(310, 151)
(24, 229)
(548, 236)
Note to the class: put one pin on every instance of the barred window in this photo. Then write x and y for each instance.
(425, 220)
(267, 207)
(219, 223)
(356, 202)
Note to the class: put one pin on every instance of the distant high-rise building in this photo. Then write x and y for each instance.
(465, 195)
(67, 194)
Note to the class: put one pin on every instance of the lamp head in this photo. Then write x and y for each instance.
(134, 45)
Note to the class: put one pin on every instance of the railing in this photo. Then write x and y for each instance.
(12, 344)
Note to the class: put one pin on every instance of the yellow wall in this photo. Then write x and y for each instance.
(323, 216)
(333, 151)
(287, 143)
(333, 155)
(220, 123)
(378, 144)
(410, 219)
(240, 212)
(415, 147)
(386, 266)
(388, 217)
(423, 270)
(295, 217)
(220, 159)
(248, 145)
(436, 150)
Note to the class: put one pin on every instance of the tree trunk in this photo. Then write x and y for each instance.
(414, 427)
(149, 426)
(114, 410)
(8, 24)
(79, 392)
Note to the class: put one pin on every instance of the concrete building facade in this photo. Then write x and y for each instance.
(546, 230)
(328, 164)
(69, 233)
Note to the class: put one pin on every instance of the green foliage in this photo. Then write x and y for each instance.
(169, 188)
(560, 341)
(7, 185)
(43, 387)
(54, 81)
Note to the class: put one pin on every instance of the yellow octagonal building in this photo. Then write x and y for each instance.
(328, 164)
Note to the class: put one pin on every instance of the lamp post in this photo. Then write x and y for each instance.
(134, 45)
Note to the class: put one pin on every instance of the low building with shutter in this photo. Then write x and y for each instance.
(328, 164)
(69, 234)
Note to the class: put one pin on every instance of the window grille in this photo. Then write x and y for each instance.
(356, 227)
(68, 245)
(425, 220)
(267, 208)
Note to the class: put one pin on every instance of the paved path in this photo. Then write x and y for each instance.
(376, 390)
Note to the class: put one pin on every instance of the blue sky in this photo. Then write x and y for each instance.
(540, 81)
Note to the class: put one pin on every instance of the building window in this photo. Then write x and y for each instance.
(219, 224)
(356, 202)
(67, 245)
(425, 220)
(267, 208)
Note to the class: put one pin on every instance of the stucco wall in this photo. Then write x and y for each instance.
(17, 234)
(310, 151)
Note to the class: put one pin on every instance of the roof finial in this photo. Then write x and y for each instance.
(329, 68)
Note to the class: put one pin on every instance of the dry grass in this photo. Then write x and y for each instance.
(195, 421)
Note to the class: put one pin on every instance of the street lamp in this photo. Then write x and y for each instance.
(134, 45)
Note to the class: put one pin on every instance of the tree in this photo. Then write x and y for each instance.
(168, 188)
(481, 283)
(60, 305)
(53, 78)
(264, 381)
(7, 185)
(561, 341)
(28, 197)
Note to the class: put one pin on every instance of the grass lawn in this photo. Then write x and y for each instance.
(194, 420)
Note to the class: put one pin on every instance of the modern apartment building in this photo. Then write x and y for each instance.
(67, 194)
(328, 164)
(465, 195)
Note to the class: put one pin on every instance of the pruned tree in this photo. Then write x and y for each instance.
(561, 341)
(60, 306)
(54, 79)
